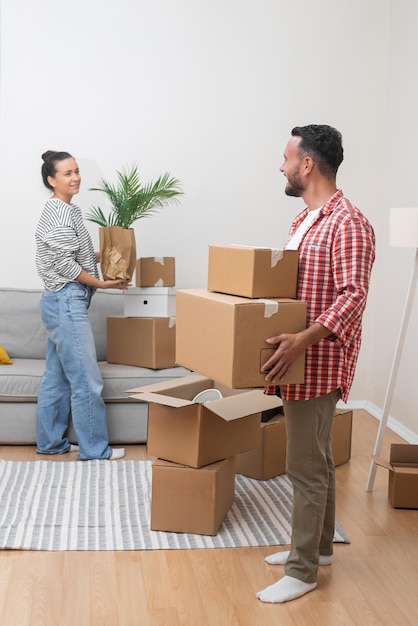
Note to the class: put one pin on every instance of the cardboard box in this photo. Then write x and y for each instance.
(197, 434)
(224, 337)
(155, 272)
(149, 302)
(269, 458)
(253, 272)
(188, 500)
(341, 436)
(141, 341)
(403, 475)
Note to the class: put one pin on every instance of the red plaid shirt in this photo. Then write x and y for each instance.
(336, 255)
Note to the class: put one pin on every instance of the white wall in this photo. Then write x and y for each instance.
(399, 186)
(210, 91)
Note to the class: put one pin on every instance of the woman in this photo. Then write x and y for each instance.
(67, 263)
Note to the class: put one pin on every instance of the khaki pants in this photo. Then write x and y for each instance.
(310, 468)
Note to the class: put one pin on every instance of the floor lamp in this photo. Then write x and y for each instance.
(403, 231)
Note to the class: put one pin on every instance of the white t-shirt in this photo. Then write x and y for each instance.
(301, 230)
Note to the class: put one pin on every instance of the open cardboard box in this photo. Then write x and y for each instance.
(188, 500)
(403, 475)
(197, 434)
(224, 337)
(253, 272)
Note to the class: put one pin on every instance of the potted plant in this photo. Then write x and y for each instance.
(130, 200)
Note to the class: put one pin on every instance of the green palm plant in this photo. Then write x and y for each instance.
(130, 199)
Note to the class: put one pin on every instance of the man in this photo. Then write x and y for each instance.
(336, 246)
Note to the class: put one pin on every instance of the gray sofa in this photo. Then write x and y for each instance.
(24, 337)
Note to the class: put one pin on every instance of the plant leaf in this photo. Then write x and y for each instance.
(130, 200)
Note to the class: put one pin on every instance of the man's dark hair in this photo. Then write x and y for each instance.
(324, 144)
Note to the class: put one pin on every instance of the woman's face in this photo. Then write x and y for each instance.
(66, 180)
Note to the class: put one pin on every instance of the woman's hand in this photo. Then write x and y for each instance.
(87, 279)
(119, 283)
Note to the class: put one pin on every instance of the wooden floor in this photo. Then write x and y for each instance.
(372, 582)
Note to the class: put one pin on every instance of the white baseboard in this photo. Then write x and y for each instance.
(408, 435)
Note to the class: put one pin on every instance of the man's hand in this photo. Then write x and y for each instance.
(289, 348)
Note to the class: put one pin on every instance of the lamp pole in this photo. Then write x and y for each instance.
(393, 374)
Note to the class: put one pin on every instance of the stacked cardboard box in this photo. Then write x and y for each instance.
(221, 331)
(268, 459)
(145, 335)
(188, 500)
(250, 296)
(155, 272)
(193, 478)
(253, 272)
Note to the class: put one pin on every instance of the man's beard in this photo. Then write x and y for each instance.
(294, 187)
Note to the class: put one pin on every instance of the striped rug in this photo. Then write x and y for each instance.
(99, 505)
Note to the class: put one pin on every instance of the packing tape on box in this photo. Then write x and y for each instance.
(270, 307)
(159, 283)
(276, 256)
(172, 322)
(159, 259)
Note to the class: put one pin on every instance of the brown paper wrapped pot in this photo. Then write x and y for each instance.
(117, 252)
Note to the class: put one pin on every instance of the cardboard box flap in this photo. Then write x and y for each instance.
(247, 403)
(404, 454)
(170, 384)
(158, 398)
(410, 470)
(382, 462)
(179, 466)
(228, 408)
(399, 458)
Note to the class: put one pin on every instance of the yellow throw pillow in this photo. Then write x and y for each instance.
(4, 357)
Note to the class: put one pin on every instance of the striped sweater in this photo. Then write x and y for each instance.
(63, 245)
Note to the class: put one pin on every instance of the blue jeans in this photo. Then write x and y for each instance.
(72, 379)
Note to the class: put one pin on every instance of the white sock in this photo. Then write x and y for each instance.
(73, 448)
(287, 588)
(117, 453)
(280, 558)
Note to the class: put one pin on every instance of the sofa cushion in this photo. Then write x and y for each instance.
(21, 330)
(4, 357)
(117, 379)
(22, 379)
(30, 340)
(126, 423)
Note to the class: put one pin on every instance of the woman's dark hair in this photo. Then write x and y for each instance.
(324, 144)
(50, 158)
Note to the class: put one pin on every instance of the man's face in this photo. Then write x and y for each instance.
(291, 168)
